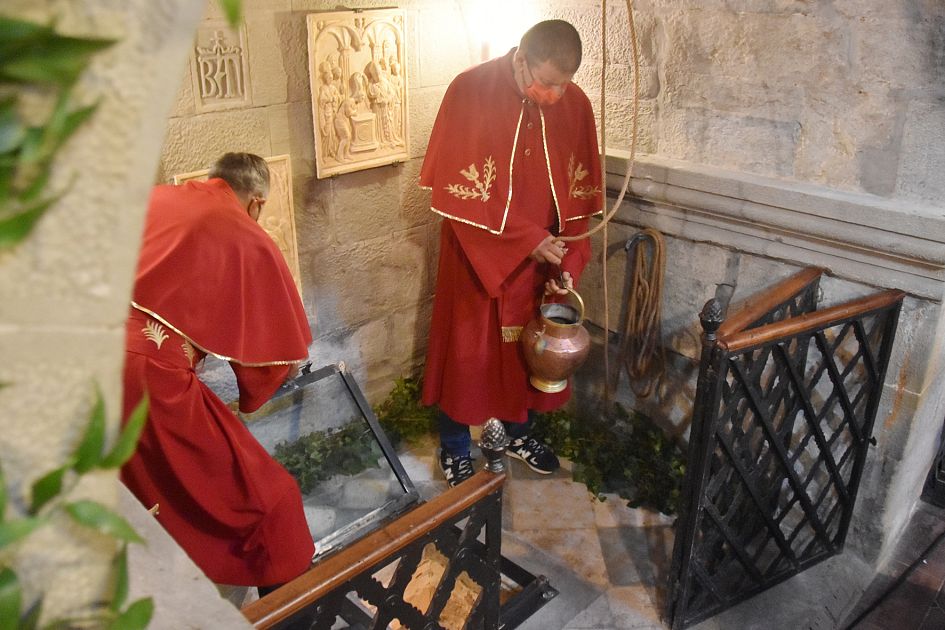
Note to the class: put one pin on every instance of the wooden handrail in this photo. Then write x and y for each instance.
(335, 570)
(810, 322)
(755, 307)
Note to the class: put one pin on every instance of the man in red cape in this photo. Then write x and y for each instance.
(512, 164)
(211, 281)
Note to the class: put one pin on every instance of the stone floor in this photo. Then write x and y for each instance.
(610, 563)
(911, 592)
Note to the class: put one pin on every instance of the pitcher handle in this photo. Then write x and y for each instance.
(577, 295)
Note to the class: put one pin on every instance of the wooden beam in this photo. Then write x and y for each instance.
(337, 569)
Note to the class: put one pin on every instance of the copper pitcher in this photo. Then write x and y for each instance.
(555, 344)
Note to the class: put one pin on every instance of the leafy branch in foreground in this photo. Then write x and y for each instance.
(48, 497)
(35, 57)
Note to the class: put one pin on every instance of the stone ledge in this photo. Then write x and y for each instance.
(857, 236)
(183, 596)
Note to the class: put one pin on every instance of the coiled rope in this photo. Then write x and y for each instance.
(641, 353)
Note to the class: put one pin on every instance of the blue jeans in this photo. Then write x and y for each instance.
(454, 436)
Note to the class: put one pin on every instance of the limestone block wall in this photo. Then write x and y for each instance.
(844, 94)
(65, 290)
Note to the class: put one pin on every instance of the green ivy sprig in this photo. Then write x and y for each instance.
(402, 414)
(48, 497)
(616, 451)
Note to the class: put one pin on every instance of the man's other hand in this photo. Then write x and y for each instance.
(554, 286)
(551, 250)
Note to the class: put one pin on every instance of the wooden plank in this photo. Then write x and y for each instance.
(759, 305)
(809, 322)
(335, 570)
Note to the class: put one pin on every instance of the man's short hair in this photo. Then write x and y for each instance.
(556, 41)
(246, 173)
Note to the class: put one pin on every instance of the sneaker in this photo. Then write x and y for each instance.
(536, 455)
(456, 468)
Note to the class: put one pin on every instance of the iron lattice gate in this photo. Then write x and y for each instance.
(784, 412)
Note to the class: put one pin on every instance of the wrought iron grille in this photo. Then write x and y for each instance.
(781, 428)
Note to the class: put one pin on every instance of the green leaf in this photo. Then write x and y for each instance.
(136, 617)
(15, 228)
(47, 57)
(47, 487)
(121, 579)
(11, 598)
(96, 516)
(128, 440)
(3, 487)
(233, 10)
(30, 619)
(89, 452)
(12, 30)
(12, 129)
(32, 149)
(12, 531)
(63, 122)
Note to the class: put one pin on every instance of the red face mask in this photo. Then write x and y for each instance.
(542, 94)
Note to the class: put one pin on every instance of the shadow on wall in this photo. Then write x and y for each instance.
(670, 404)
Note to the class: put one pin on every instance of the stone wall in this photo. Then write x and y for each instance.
(844, 94)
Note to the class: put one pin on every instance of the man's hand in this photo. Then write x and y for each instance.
(551, 250)
(553, 286)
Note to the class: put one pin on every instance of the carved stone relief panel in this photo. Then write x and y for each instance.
(358, 71)
(220, 67)
(278, 214)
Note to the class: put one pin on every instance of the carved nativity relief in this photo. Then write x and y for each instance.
(220, 68)
(359, 89)
(278, 214)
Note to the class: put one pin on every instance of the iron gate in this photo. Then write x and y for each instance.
(784, 411)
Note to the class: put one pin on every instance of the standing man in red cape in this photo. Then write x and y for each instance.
(211, 281)
(513, 164)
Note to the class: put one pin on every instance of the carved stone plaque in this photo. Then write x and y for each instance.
(358, 71)
(278, 214)
(220, 68)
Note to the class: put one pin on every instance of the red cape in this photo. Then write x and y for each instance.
(256, 317)
(469, 159)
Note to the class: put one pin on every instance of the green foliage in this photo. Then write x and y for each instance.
(623, 453)
(48, 497)
(320, 455)
(35, 57)
(232, 10)
(401, 414)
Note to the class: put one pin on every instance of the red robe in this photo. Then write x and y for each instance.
(210, 280)
(505, 173)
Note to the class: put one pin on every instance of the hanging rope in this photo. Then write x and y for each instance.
(635, 108)
(603, 170)
(641, 353)
(627, 176)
